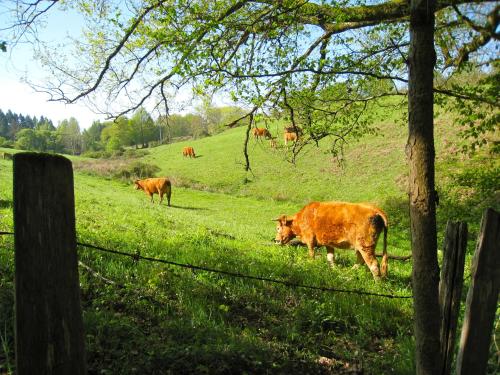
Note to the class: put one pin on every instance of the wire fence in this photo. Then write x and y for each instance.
(137, 256)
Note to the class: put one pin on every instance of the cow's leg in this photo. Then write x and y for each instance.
(310, 245)
(161, 197)
(368, 254)
(311, 251)
(359, 261)
(151, 196)
(330, 256)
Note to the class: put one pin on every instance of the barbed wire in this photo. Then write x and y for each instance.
(137, 256)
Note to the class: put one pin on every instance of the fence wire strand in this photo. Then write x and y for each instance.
(137, 256)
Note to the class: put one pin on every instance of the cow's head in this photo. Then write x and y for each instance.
(284, 231)
(136, 185)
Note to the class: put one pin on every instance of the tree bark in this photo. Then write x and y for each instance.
(245, 144)
(420, 152)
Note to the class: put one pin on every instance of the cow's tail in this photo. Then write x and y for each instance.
(384, 265)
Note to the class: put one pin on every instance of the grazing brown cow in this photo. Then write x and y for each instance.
(261, 132)
(290, 136)
(152, 186)
(338, 224)
(188, 151)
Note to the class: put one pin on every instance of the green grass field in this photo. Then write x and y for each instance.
(166, 319)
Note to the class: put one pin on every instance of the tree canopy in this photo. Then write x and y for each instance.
(322, 63)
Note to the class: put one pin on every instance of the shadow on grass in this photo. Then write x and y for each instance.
(193, 320)
(189, 208)
(6, 203)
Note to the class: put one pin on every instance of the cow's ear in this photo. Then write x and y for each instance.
(281, 219)
(286, 220)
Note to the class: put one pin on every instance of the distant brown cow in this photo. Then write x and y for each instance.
(290, 136)
(188, 151)
(152, 186)
(338, 224)
(291, 133)
(261, 132)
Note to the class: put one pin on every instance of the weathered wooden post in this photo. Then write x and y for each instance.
(450, 289)
(49, 326)
(482, 298)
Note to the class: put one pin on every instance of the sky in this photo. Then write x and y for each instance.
(18, 63)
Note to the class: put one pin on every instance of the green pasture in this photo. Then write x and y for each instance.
(156, 318)
(316, 175)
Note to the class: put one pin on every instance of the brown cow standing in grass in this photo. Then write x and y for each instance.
(338, 224)
(291, 133)
(188, 151)
(290, 136)
(261, 132)
(152, 186)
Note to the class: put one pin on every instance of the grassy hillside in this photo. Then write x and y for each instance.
(374, 170)
(315, 176)
(166, 319)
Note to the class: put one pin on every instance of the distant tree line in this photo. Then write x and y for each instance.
(139, 131)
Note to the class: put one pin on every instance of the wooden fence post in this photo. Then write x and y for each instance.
(49, 326)
(481, 299)
(450, 289)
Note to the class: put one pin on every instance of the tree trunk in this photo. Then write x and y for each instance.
(420, 153)
(245, 145)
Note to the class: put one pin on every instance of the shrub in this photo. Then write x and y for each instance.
(97, 154)
(135, 153)
(121, 169)
(6, 143)
(136, 170)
